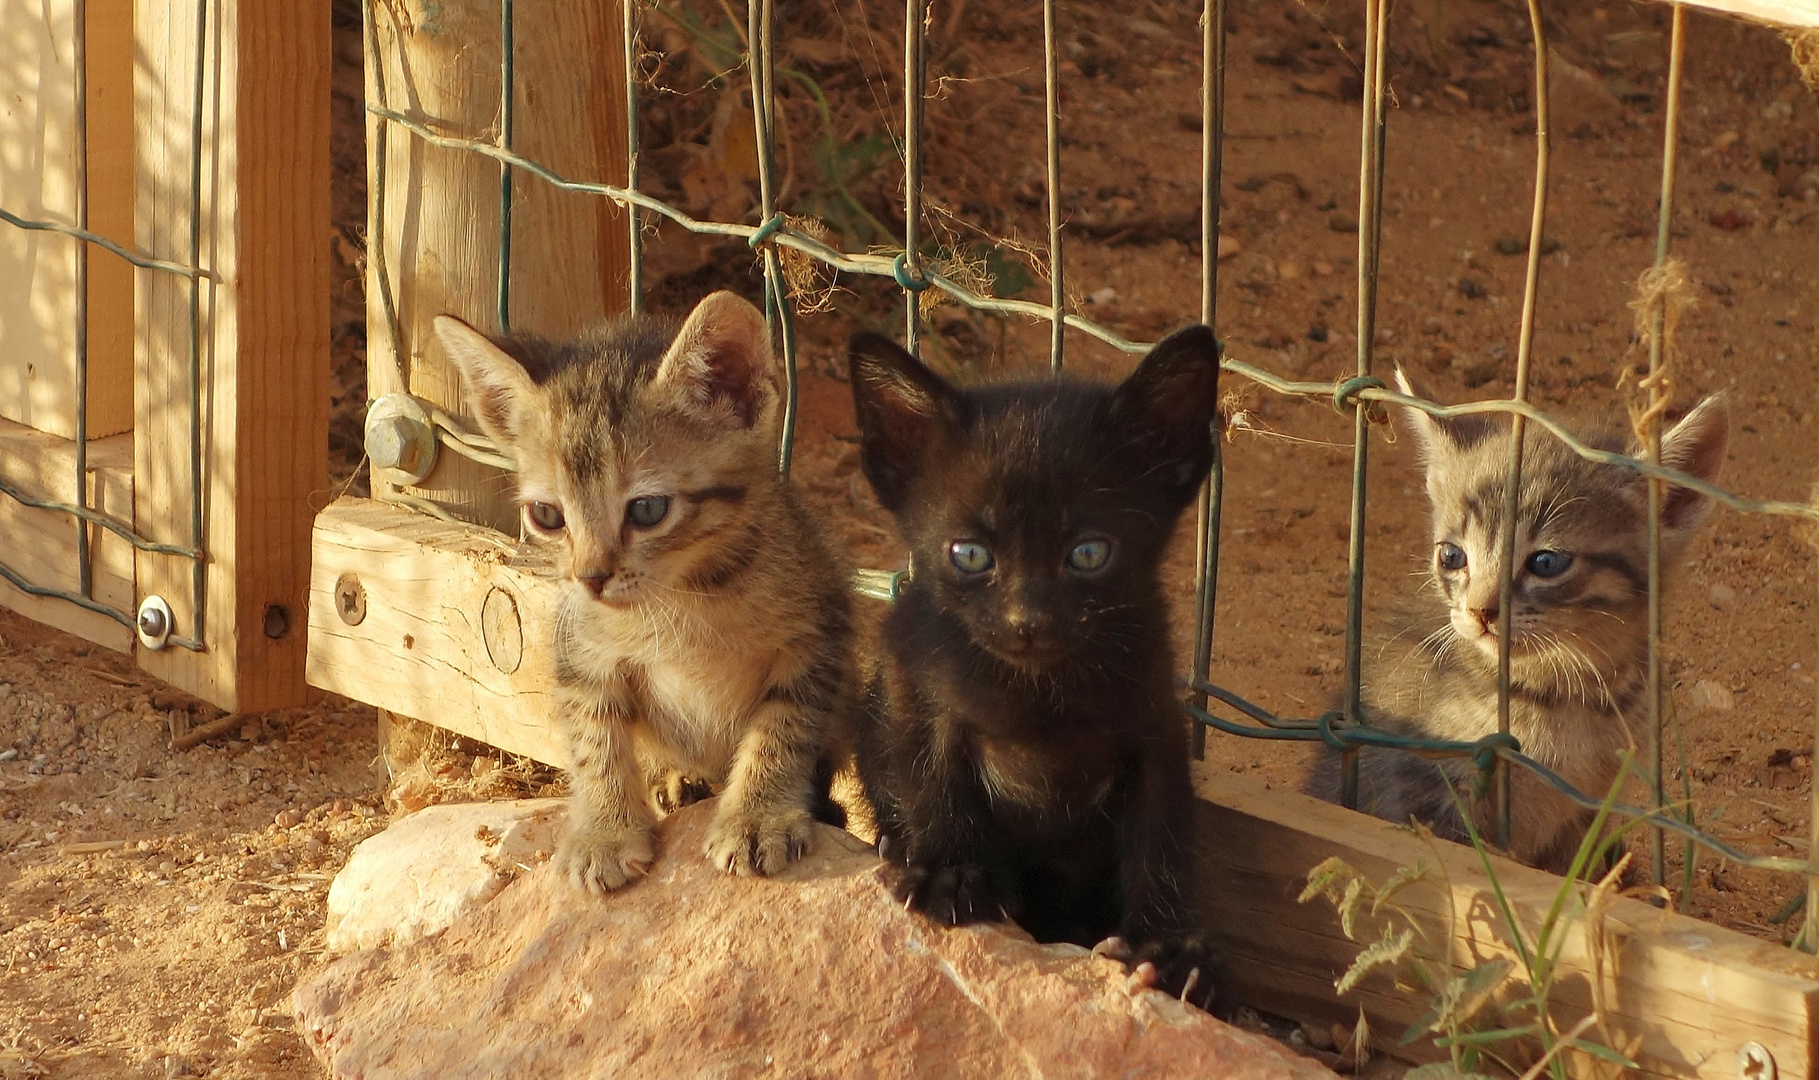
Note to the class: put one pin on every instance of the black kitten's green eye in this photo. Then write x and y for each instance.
(1452, 557)
(545, 516)
(648, 510)
(1090, 555)
(970, 557)
(1546, 564)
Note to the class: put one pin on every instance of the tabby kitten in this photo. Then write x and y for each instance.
(1025, 747)
(1578, 633)
(704, 624)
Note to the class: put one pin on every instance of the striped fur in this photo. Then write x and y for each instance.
(714, 641)
(1578, 657)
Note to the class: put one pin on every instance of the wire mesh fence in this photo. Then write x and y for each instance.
(1364, 394)
(186, 265)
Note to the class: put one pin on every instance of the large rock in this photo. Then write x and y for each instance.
(411, 880)
(691, 972)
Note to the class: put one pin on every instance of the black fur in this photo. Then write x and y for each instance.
(1024, 746)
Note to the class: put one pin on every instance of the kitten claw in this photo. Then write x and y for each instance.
(1193, 979)
(1142, 977)
(1113, 947)
(599, 858)
(758, 843)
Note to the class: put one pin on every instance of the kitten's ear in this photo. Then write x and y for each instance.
(498, 386)
(1694, 446)
(720, 366)
(1434, 436)
(1170, 404)
(901, 407)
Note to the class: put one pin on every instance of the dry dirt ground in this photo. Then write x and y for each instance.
(157, 904)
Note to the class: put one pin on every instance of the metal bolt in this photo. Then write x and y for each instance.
(350, 599)
(1754, 1062)
(400, 437)
(154, 622)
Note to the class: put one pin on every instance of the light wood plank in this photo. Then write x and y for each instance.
(40, 545)
(421, 650)
(38, 180)
(1692, 993)
(570, 256)
(265, 321)
(1776, 12)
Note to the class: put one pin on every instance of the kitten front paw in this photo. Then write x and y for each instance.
(1185, 968)
(954, 894)
(760, 841)
(599, 858)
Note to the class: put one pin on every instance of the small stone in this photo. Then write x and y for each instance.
(482, 767)
(1708, 696)
(1228, 246)
(287, 818)
(1323, 269)
(1100, 297)
(1342, 223)
(1722, 595)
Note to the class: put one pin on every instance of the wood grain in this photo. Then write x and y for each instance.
(265, 322)
(1682, 995)
(1775, 12)
(421, 649)
(569, 256)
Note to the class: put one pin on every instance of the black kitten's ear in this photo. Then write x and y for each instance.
(1170, 404)
(1694, 446)
(720, 365)
(901, 407)
(498, 385)
(1433, 435)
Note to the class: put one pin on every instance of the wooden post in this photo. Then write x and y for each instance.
(38, 275)
(263, 322)
(440, 62)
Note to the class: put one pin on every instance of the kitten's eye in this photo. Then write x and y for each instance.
(1452, 557)
(970, 557)
(1090, 555)
(1548, 564)
(648, 510)
(545, 517)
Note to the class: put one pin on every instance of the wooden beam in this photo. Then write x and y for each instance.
(1775, 12)
(446, 623)
(264, 334)
(1683, 995)
(39, 313)
(570, 256)
(40, 545)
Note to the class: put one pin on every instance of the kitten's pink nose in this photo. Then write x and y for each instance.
(1487, 619)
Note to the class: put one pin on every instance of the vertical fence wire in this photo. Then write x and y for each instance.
(915, 74)
(1212, 494)
(1656, 394)
(378, 141)
(634, 215)
(506, 99)
(759, 21)
(199, 572)
(1518, 423)
(84, 572)
(1051, 77)
(1370, 235)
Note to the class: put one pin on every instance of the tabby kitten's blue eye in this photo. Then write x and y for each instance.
(546, 517)
(1452, 557)
(1090, 555)
(970, 557)
(648, 510)
(1547, 564)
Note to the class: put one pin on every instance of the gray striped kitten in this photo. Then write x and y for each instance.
(704, 627)
(1578, 655)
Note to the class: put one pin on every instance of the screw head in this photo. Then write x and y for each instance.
(1754, 1062)
(152, 623)
(350, 599)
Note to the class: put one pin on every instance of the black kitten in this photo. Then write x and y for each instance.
(1026, 751)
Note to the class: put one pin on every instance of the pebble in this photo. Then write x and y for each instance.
(1722, 595)
(1708, 696)
(9, 753)
(287, 818)
(1342, 223)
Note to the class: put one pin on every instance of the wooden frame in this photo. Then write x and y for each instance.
(423, 644)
